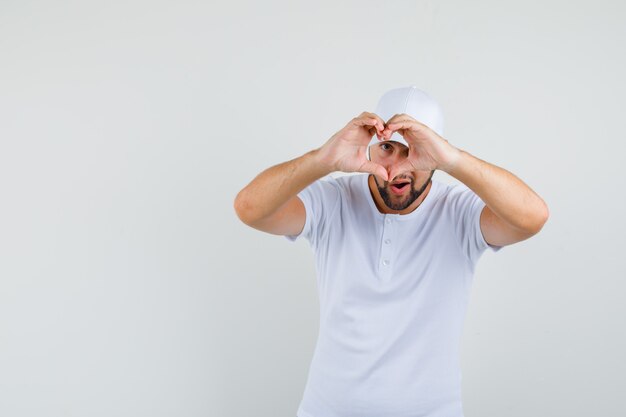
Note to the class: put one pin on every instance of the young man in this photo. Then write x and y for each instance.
(395, 254)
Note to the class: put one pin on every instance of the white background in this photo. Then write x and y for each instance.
(129, 287)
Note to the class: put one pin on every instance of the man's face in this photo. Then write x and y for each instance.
(388, 154)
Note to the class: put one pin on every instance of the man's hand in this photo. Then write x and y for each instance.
(346, 150)
(427, 150)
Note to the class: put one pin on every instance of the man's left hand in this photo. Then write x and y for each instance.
(427, 150)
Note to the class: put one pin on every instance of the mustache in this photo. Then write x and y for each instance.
(399, 179)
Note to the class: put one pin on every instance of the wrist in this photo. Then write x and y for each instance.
(322, 161)
(453, 159)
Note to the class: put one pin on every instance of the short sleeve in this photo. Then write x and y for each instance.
(320, 200)
(467, 208)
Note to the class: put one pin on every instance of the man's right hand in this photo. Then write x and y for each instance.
(346, 150)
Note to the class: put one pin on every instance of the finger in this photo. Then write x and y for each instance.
(373, 131)
(375, 126)
(400, 126)
(380, 125)
(388, 132)
(372, 120)
(398, 117)
(365, 122)
(405, 119)
(375, 169)
(394, 119)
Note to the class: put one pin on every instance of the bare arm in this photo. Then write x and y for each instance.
(275, 186)
(270, 203)
(513, 211)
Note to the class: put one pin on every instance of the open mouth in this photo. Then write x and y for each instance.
(399, 188)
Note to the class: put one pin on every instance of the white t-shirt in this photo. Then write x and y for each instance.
(393, 291)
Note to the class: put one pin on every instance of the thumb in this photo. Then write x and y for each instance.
(399, 169)
(373, 168)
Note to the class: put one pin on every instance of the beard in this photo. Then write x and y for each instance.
(398, 203)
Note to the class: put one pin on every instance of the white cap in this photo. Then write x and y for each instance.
(414, 102)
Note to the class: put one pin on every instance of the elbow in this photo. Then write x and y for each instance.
(241, 209)
(542, 218)
(533, 221)
(245, 210)
(546, 213)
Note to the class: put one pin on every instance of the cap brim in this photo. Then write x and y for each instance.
(395, 137)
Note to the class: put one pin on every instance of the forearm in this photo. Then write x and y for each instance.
(273, 187)
(504, 193)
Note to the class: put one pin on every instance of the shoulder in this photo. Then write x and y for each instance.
(450, 193)
(344, 184)
(323, 192)
(449, 189)
(455, 200)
